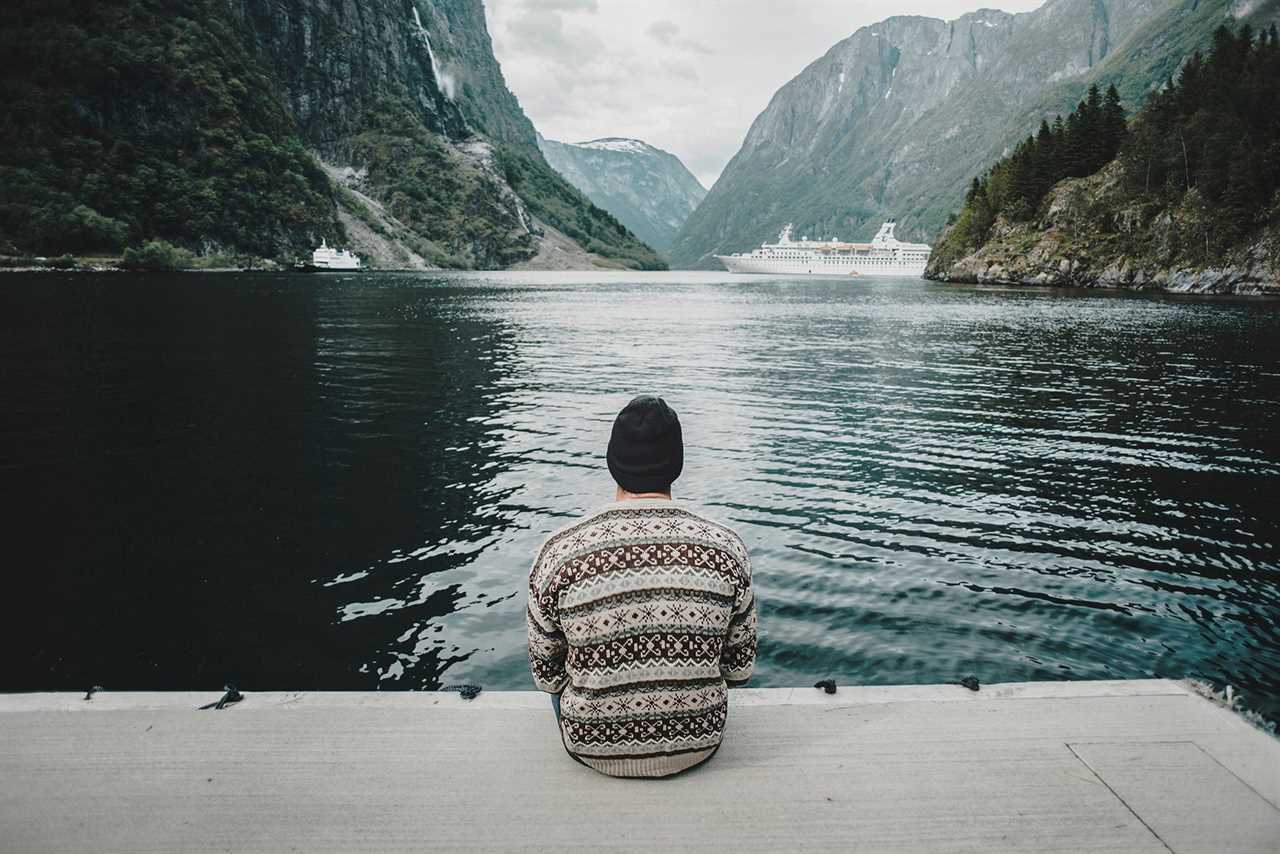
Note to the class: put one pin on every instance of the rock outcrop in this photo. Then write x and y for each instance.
(1089, 236)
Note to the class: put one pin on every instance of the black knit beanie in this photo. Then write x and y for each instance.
(646, 449)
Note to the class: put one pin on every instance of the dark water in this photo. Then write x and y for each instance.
(317, 482)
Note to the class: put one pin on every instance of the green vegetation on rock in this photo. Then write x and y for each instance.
(1216, 131)
(1193, 185)
(126, 120)
(234, 127)
(1014, 187)
(450, 202)
(554, 201)
(156, 256)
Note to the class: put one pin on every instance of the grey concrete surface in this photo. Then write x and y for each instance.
(1068, 766)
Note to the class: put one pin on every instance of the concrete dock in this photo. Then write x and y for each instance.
(1130, 766)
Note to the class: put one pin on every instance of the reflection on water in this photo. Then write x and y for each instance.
(302, 482)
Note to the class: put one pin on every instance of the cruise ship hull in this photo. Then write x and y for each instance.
(305, 267)
(885, 255)
(835, 268)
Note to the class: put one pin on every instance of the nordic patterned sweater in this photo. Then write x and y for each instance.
(640, 613)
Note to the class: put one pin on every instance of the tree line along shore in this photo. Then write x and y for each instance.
(1191, 183)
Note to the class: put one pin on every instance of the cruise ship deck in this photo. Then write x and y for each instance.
(1132, 766)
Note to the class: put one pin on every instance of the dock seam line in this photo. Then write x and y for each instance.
(1117, 797)
(1264, 798)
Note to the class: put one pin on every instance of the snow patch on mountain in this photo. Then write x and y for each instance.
(614, 143)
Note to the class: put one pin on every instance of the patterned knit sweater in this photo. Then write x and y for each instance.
(641, 613)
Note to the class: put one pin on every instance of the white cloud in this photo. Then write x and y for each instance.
(668, 33)
(662, 31)
(563, 5)
(689, 77)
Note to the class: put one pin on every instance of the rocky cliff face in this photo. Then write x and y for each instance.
(649, 190)
(263, 125)
(435, 161)
(380, 91)
(895, 120)
(1091, 235)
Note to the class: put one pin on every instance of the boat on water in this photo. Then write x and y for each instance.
(885, 255)
(328, 258)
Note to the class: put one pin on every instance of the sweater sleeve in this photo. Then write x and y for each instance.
(547, 646)
(738, 658)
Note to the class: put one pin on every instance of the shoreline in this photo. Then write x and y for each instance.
(1149, 285)
(1211, 282)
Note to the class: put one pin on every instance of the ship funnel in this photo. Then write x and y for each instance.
(884, 235)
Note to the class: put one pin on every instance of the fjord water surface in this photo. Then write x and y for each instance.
(339, 482)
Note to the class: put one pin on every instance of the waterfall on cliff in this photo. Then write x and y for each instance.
(444, 81)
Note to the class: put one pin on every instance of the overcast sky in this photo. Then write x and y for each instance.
(688, 76)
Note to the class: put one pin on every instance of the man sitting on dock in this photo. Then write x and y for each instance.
(641, 614)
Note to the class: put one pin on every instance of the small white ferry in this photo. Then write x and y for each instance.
(883, 256)
(328, 258)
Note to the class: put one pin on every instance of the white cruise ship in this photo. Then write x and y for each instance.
(328, 258)
(883, 256)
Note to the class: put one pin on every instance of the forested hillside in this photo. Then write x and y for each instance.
(1080, 145)
(1191, 183)
(126, 121)
(260, 127)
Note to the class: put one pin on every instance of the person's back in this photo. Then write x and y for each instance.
(642, 613)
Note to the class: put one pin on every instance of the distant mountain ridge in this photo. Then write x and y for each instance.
(649, 190)
(896, 119)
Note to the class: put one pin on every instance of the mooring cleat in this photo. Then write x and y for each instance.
(231, 696)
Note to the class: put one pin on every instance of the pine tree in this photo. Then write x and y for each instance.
(1222, 67)
(1244, 42)
(974, 189)
(1113, 123)
(1044, 157)
(984, 215)
(1243, 193)
(1190, 86)
(1093, 143)
(1075, 153)
(1022, 197)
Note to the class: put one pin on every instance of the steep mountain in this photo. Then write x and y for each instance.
(649, 190)
(261, 126)
(894, 120)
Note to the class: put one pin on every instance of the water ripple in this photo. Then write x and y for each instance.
(932, 480)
